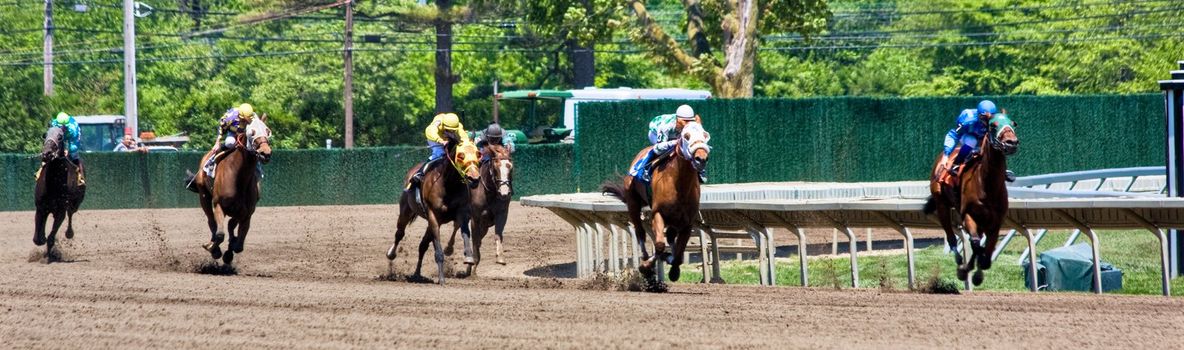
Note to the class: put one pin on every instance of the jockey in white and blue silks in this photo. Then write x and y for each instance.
(972, 126)
(664, 133)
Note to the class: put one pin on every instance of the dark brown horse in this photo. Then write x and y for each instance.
(674, 205)
(980, 202)
(229, 200)
(56, 191)
(489, 205)
(441, 197)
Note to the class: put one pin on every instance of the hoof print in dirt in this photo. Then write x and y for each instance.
(419, 279)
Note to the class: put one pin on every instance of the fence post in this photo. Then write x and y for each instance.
(1173, 95)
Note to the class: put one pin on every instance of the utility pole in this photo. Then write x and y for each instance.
(129, 68)
(48, 51)
(349, 74)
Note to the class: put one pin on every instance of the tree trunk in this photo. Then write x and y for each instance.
(583, 64)
(444, 77)
(740, 50)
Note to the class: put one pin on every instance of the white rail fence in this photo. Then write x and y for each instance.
(1115, 199)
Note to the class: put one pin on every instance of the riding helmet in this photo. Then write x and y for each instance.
(685, 112)
(985, 107)
(494, 131)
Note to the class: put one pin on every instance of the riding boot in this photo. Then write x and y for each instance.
(703, 176)
(81, 173)
(1009, 175)
(209, 166)
(418, 177)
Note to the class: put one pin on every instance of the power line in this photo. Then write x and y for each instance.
(774, 38)
(974, 43)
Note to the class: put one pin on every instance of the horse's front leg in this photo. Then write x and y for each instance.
(680, 247)
(451, 240)
(217, 223)
(231, 230)
(39, 227)
(52, 239)
(499, 226)
(464, 222)
(69, 224)
(972, 229)
(240, 235)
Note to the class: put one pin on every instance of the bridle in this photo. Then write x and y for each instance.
(494, 173)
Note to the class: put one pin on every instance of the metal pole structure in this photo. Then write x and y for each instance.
(1173, 95)
(495, 106)
(130, 105)
(48, 51)
(349, 74)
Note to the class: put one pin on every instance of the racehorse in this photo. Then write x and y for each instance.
(229, 200)
(441, 197)
(56, 191)
(674, 201)
(981, 200)
(489, 205)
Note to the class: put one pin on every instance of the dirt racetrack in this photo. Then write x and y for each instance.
(309, 279)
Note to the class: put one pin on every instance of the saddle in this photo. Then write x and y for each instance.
(647, 164)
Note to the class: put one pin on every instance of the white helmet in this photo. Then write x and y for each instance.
(685, 112)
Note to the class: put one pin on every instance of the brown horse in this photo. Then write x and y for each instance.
(229, 200)
(489, 205)
(674, 203)
(980, 201)
(56, 191)
(441, 197)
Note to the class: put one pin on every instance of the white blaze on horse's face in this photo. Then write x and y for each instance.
(259, 139)
(694, 141)
(503, 176)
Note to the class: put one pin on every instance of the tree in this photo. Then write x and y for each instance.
(734, 28)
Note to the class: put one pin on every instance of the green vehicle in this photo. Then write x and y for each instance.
(100, 133)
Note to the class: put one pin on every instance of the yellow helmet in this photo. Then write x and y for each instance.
(450, 121)
(246, 110)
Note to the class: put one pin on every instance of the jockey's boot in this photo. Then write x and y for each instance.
(81, 173)
(1009, 175)
(37, 174)
(418, 177)
(703, 176)
(209, 166)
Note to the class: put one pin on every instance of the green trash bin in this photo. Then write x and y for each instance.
(1071, 268)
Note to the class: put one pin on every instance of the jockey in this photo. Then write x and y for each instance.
(970, 129)
(664, 133)
(494, 134)
(72, 140)
(443, 126)
(233, 123)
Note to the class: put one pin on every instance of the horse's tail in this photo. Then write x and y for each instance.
(190, 183)
(616, 190)
(930, 205)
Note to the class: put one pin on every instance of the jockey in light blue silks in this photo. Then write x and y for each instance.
(963, 141)
(72, 139)
(664, 133)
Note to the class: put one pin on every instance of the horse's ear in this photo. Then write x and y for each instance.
(263, 117)
(698, 119)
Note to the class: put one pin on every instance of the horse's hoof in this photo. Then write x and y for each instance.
(218, 238)
(674, 273)
(390, 253)
(978, 278)
(448, 250)
(69, 233)
(501, 261)
(653, 286)
(214, 249)
(38, 240)
(228, 258)
(470, 261)
(962, 273)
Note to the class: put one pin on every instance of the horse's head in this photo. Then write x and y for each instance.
(501, 169)
(52, 147)
(693, 144)
(259, 138)
(467, 161)
(1002, 134)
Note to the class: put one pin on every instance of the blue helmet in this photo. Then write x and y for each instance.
(986, 106)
